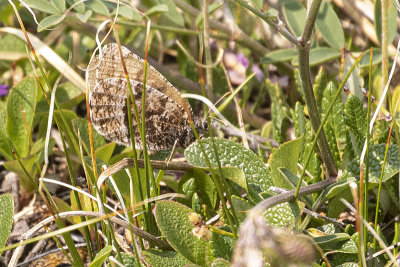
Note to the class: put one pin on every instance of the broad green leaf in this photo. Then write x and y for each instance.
(105, 152)
(287, 155)
(284, 215)
(328, 24)
(36, 156)
(6, 217)
(295, 16)
(98, 7)
(376, 57)
(80, 8)
(173, 221)
(172, 14)
(241, 206)
(320, 55)
(376, 156)
(279, 56)
(84, 17)
(220, 263)
(222, 245)
(391, 21)
(5, 148)
(325, 242)
(232, 154)
(59, 4)
(82, 125)
(157, 9)
(159, 258)
(355, 82)
(49, 21)
(21, 105)
(68, 95)
(10, 43)
(42, 5)
(101, 257)
(197, 180)
(129, 260)
(129, 13)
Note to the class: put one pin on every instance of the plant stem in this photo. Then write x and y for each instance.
(304, 68)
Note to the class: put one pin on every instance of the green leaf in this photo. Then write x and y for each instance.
(232, 154)
(240, 207)
(80, 8)
(159, 258)
(279, 55)
(376, 156)
(173, 222)
(295, 16)
(286, 156)
(284, 215)
(59, 4)
(68, 95)
(220, 263)
(197, 180)
(105, 152)
(6, 217)
(222, 245)
(157, 9)
(356, 122)
(172, 14)
(129, 260)
(328, 24)
(21, 107)
(49, 21)
(84, 17)
(355, 81)
(326, 242)
(101, 257)
(376, 58)
(319, 87)
(391, 21)
(82, 125)
(211, 9)
(319, 55)
(42, 5)
(98, 7)
(129, 13)
(5, 148)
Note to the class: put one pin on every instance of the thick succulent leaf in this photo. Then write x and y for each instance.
(159, 258)
(21, 105)
(285, 156)
(376, 157)
(231, 154)
(173, 221)
(6, 217)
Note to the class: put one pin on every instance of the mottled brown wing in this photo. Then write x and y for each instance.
(166, 121)
(110, 66)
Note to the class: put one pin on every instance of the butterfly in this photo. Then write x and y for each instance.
(167, 113)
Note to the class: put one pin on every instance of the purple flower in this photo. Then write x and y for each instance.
(243, 60)
(258, 72)
(3, 89)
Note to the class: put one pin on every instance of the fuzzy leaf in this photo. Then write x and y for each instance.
(356, 122)
(376, 156)
(241, 206)
(159, 258)
(21, 105)
(6, 217)
(222, 245)
(220, 263)
(5, 148)
(173, 222)
(231, 154)
(284, 215)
